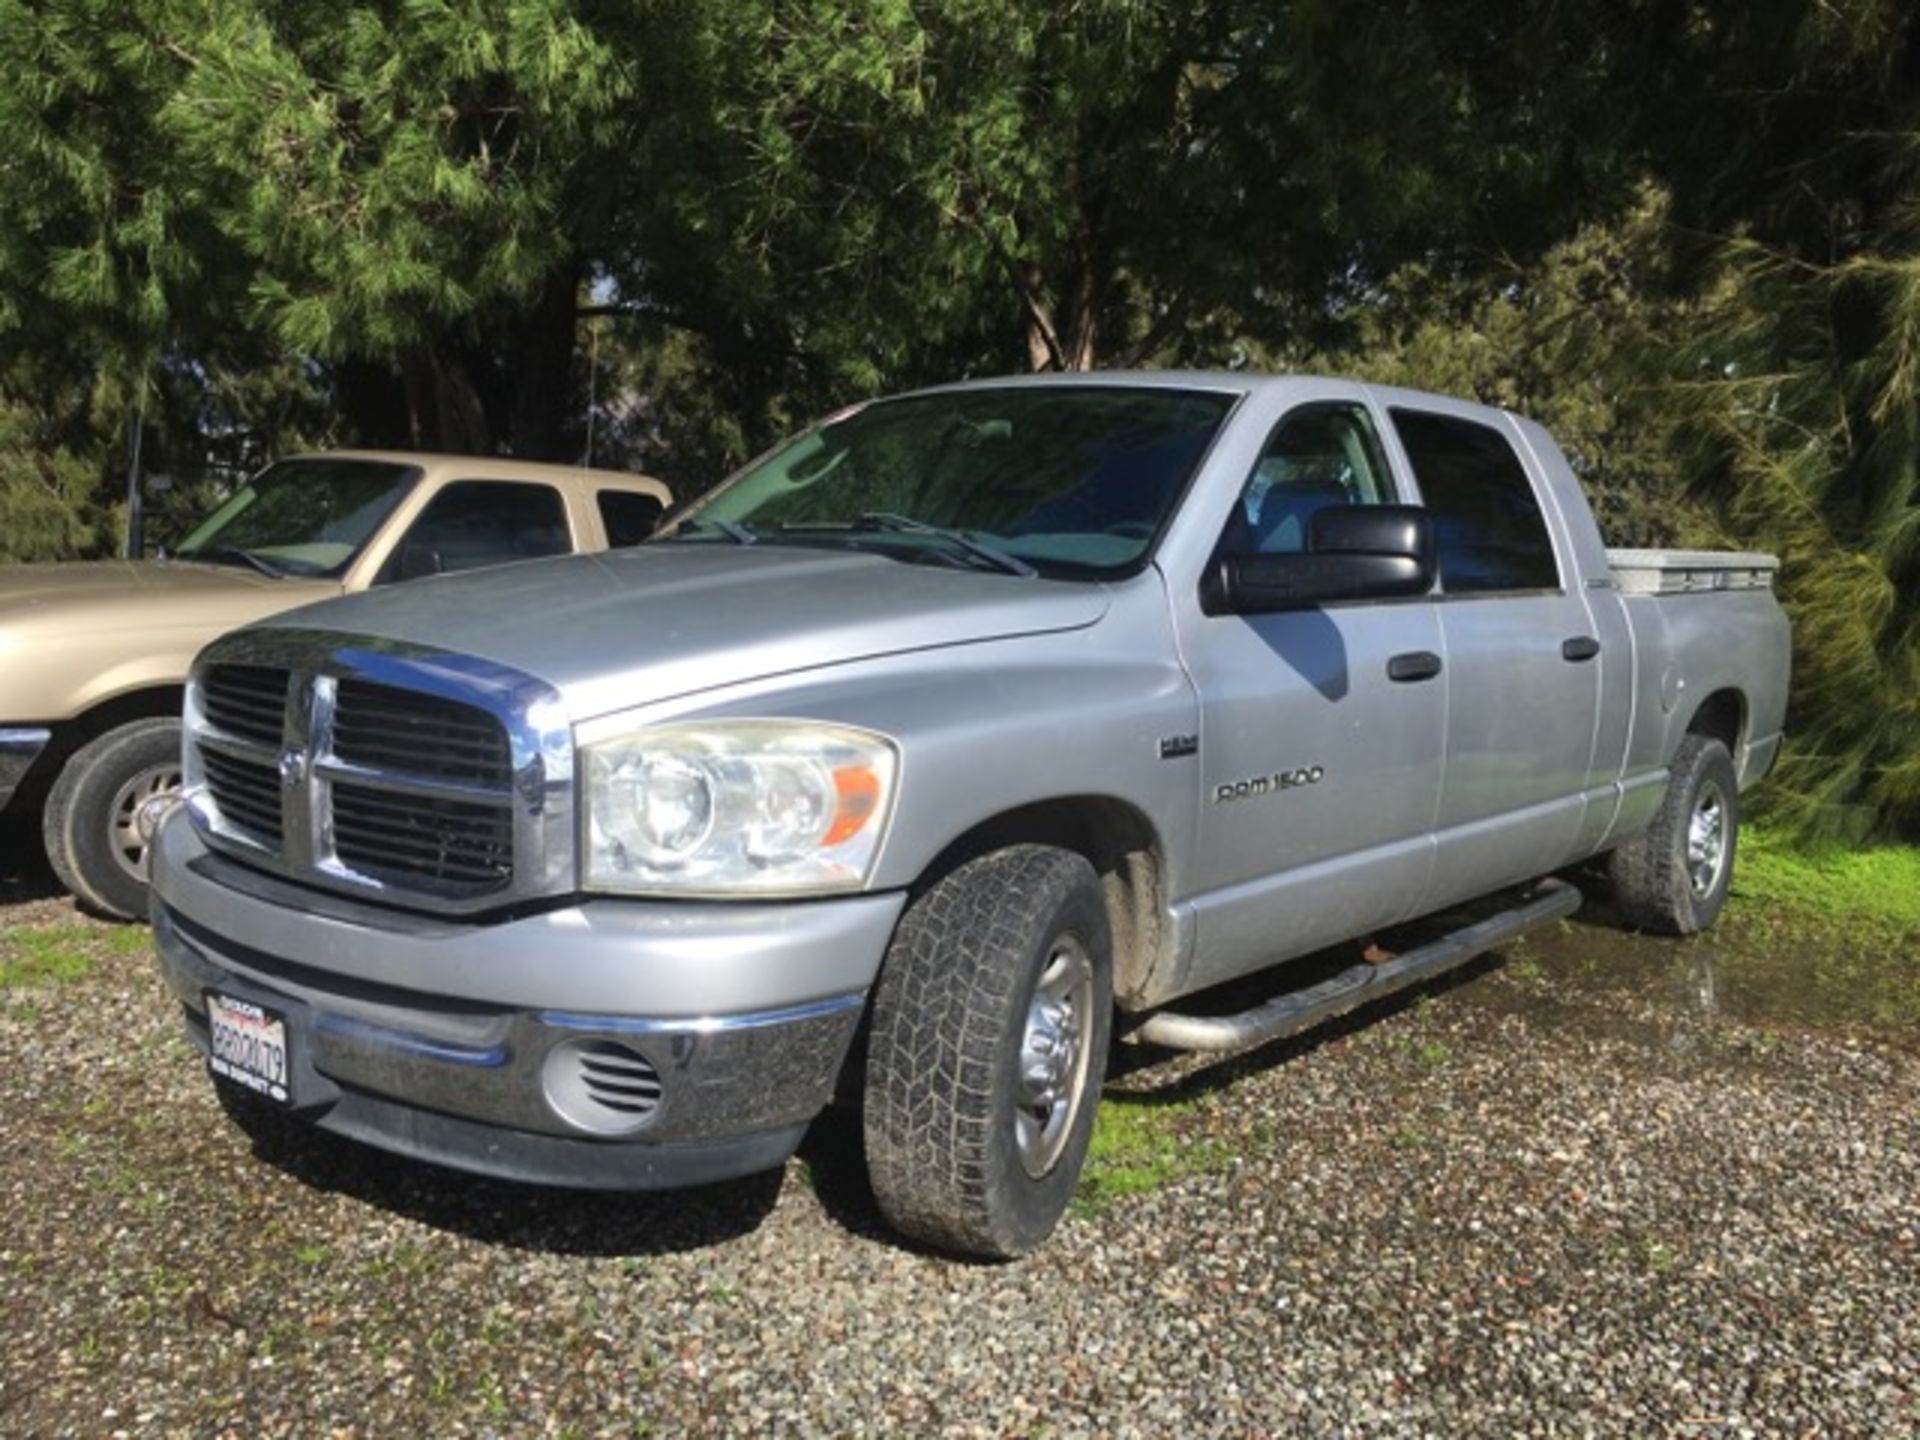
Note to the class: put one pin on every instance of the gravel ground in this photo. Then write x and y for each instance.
(1560, 1194)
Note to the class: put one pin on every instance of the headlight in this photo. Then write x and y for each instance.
(736, 807)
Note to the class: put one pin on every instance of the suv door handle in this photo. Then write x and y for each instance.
(1580, 647)
(1414, 665)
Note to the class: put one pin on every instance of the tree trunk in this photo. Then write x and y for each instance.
(539, 360)
(443, 404)
(373, 399)
(1062, 337)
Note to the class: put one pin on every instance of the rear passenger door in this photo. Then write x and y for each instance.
(1523, 691)
(472, 523)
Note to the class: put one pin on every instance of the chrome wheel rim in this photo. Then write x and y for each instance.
(1052, 1080)
(135, 814)
(1707, 840)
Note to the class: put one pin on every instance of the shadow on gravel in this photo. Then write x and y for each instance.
(834, 1155)
(515, 1216)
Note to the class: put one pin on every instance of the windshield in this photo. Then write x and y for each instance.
(301, 517)
(1069, 481)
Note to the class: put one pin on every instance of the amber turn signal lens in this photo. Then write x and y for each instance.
(857, 789)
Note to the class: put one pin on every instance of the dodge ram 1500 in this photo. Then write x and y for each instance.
(957, 733)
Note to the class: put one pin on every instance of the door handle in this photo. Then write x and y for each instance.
(1414, 665)
(1580, 647)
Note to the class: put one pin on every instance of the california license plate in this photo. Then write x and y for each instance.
(249, 1045)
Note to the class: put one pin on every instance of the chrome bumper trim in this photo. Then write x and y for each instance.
(724, 1076)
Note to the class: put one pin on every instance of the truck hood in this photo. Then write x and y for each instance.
(136, 595)
(633, 627)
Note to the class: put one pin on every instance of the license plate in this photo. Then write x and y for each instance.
(249, 1045)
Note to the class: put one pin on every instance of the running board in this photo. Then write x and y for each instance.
(1291, 1013)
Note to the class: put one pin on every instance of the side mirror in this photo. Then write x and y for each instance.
(1354, 552)
(417, 562)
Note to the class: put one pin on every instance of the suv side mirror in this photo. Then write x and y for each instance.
(417, 562)
(1354, 552)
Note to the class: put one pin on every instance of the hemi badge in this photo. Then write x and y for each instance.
(1174, 746)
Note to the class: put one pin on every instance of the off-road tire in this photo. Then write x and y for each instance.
(1653, 884)
(950, 1017)
(77, 822)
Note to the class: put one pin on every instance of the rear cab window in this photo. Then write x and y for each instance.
(628, 516)
(1490, 533)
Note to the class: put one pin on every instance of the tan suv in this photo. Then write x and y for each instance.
(93, 655)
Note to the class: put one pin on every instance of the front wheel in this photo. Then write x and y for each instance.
(1673, 878)
(101, 814)
(989, 1044)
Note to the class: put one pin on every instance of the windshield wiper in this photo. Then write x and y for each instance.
(732, 529)
(907, 525)
(227, 554)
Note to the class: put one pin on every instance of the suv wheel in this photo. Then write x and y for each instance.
(100, 816)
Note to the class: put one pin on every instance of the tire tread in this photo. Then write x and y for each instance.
(956, 961)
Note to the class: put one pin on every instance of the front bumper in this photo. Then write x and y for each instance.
(20, 746)
(460, 1042)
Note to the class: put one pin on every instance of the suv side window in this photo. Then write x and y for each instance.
(1486, 518)
(628, 515)
(471, 523)
(1321, 454)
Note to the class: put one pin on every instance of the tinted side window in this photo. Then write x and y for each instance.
(1487, 520)
(629, 517)
(485, 522)
(1319, 455)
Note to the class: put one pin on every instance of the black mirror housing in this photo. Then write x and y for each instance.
(1355, 552)
(418, 562)
(1405, 530)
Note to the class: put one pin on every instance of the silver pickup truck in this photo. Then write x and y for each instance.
(955, 735)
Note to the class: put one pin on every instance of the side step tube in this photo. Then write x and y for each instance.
(1291, 1013)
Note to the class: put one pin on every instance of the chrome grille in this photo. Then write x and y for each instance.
(381, 769)
(247, 793)
(249, 701)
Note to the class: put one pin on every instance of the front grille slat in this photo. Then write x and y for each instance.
(379, 727)
(373, 805)
(248, 701)
(246, 793)
(439, 840)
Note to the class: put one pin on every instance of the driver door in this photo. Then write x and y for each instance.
(1322, 729)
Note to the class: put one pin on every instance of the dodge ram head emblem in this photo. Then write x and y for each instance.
(293, 767)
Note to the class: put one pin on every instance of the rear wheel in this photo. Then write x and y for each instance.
(101, 813)
(989, 1044)
(1674, 877)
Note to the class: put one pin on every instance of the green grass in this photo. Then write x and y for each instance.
(1139, 1145)
(51, 956)
(1877, 887)
(36, 957)
(1823, 936)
